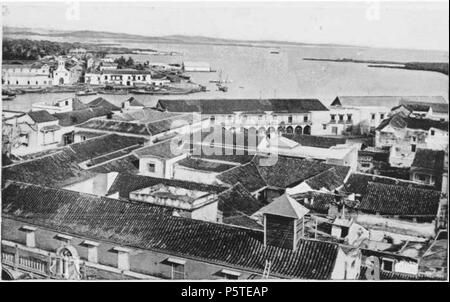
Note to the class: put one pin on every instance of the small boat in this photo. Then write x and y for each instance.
(274, 52)
(85, 92)
(33, 90)
(8, 97)
(222, 88)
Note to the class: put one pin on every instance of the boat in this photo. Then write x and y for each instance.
(8, 97)
(222, 88)
(114, 92)
(85, 93)
(8, 92)
(275, 52)
(33, 90)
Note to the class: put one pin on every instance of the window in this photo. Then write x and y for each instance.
(151, 167)
(413, 138)
(420, 177)
(432, 132)
(382, 116)
(290, 119)
(324, 126)
(212, 119)
(260, 117)
(333, 117)
(373, 116)
(305, 118)
(341, 117)
(413, 148)
(349, 117)
(83, 138)
(387, 265)
(365, 165)
(64, 238)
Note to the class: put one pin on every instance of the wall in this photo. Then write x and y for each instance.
(159, 167)
(187, 174)
(207, 212)
(141, 261)
(279, 231)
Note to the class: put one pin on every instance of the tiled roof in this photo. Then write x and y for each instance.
(101, 102)
(170, 123)
(317, 201)
(145, 115)
(240, 248)
(400, 121)
(204, 165)
(316, 141)
(238, 200)
(247, 174)
(41, 116)
(290, 171)
(161, 150)
(126, 183)
(62, 167)
(225, 106)
(382, 101)
(116, 126)
(357, 182)
(399, 200)
(76, 117)
(425, 106)
(429, 159)
(328, 179)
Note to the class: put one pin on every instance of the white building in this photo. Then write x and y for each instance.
(61, 75)
(125, 77)
(36, 74)
(362, 114)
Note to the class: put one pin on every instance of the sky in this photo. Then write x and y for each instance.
(418, 25)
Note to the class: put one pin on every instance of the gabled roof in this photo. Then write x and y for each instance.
(247, 174)
(429, 159)
(41, 116)
(226, 106)
(285, 206)
(101, 102)
(76, 117)
(382, 101)
(290, 171)
(126, 183)
(316, 141)
(441, 107)
(399, 200)
(134, 102)
(166, 150)
(116, 126)
(204, 165)
(357, 182)
(240, 248)
(328, 179)
(61, 166)
(401, 121)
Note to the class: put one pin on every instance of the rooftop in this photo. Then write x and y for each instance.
(357, 182)
(286, 206)
(316, 141)
(240, 248)
(41, 116)
(429, 159)
(247, 174)
(166, 150)
(400, 121)
(101, 102)
(76, 117)
(226, 106)
(382, 101)
(399, 200)
(441, 107)
(204, 165)
(126, 183)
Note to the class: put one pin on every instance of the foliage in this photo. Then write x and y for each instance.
(24, 49)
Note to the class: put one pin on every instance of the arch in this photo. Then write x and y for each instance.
(61, 81)
(67, 251)
(289, 130)
(6, 274)
(271, 130)
(307, 130)
(298, 130)
(281, 129)
(233, 129)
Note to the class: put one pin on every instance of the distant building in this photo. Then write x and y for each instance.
(404, 135)
(125, 77)
(362, 114)
(435, 111)
(428, 167)
(299, 116)
(62, 75)
(30, 75)
(196, 67)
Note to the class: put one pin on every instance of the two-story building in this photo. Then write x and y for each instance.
(262, 115)
(124, 77)
(28, 75)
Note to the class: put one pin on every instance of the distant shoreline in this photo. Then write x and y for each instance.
(439, 67)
